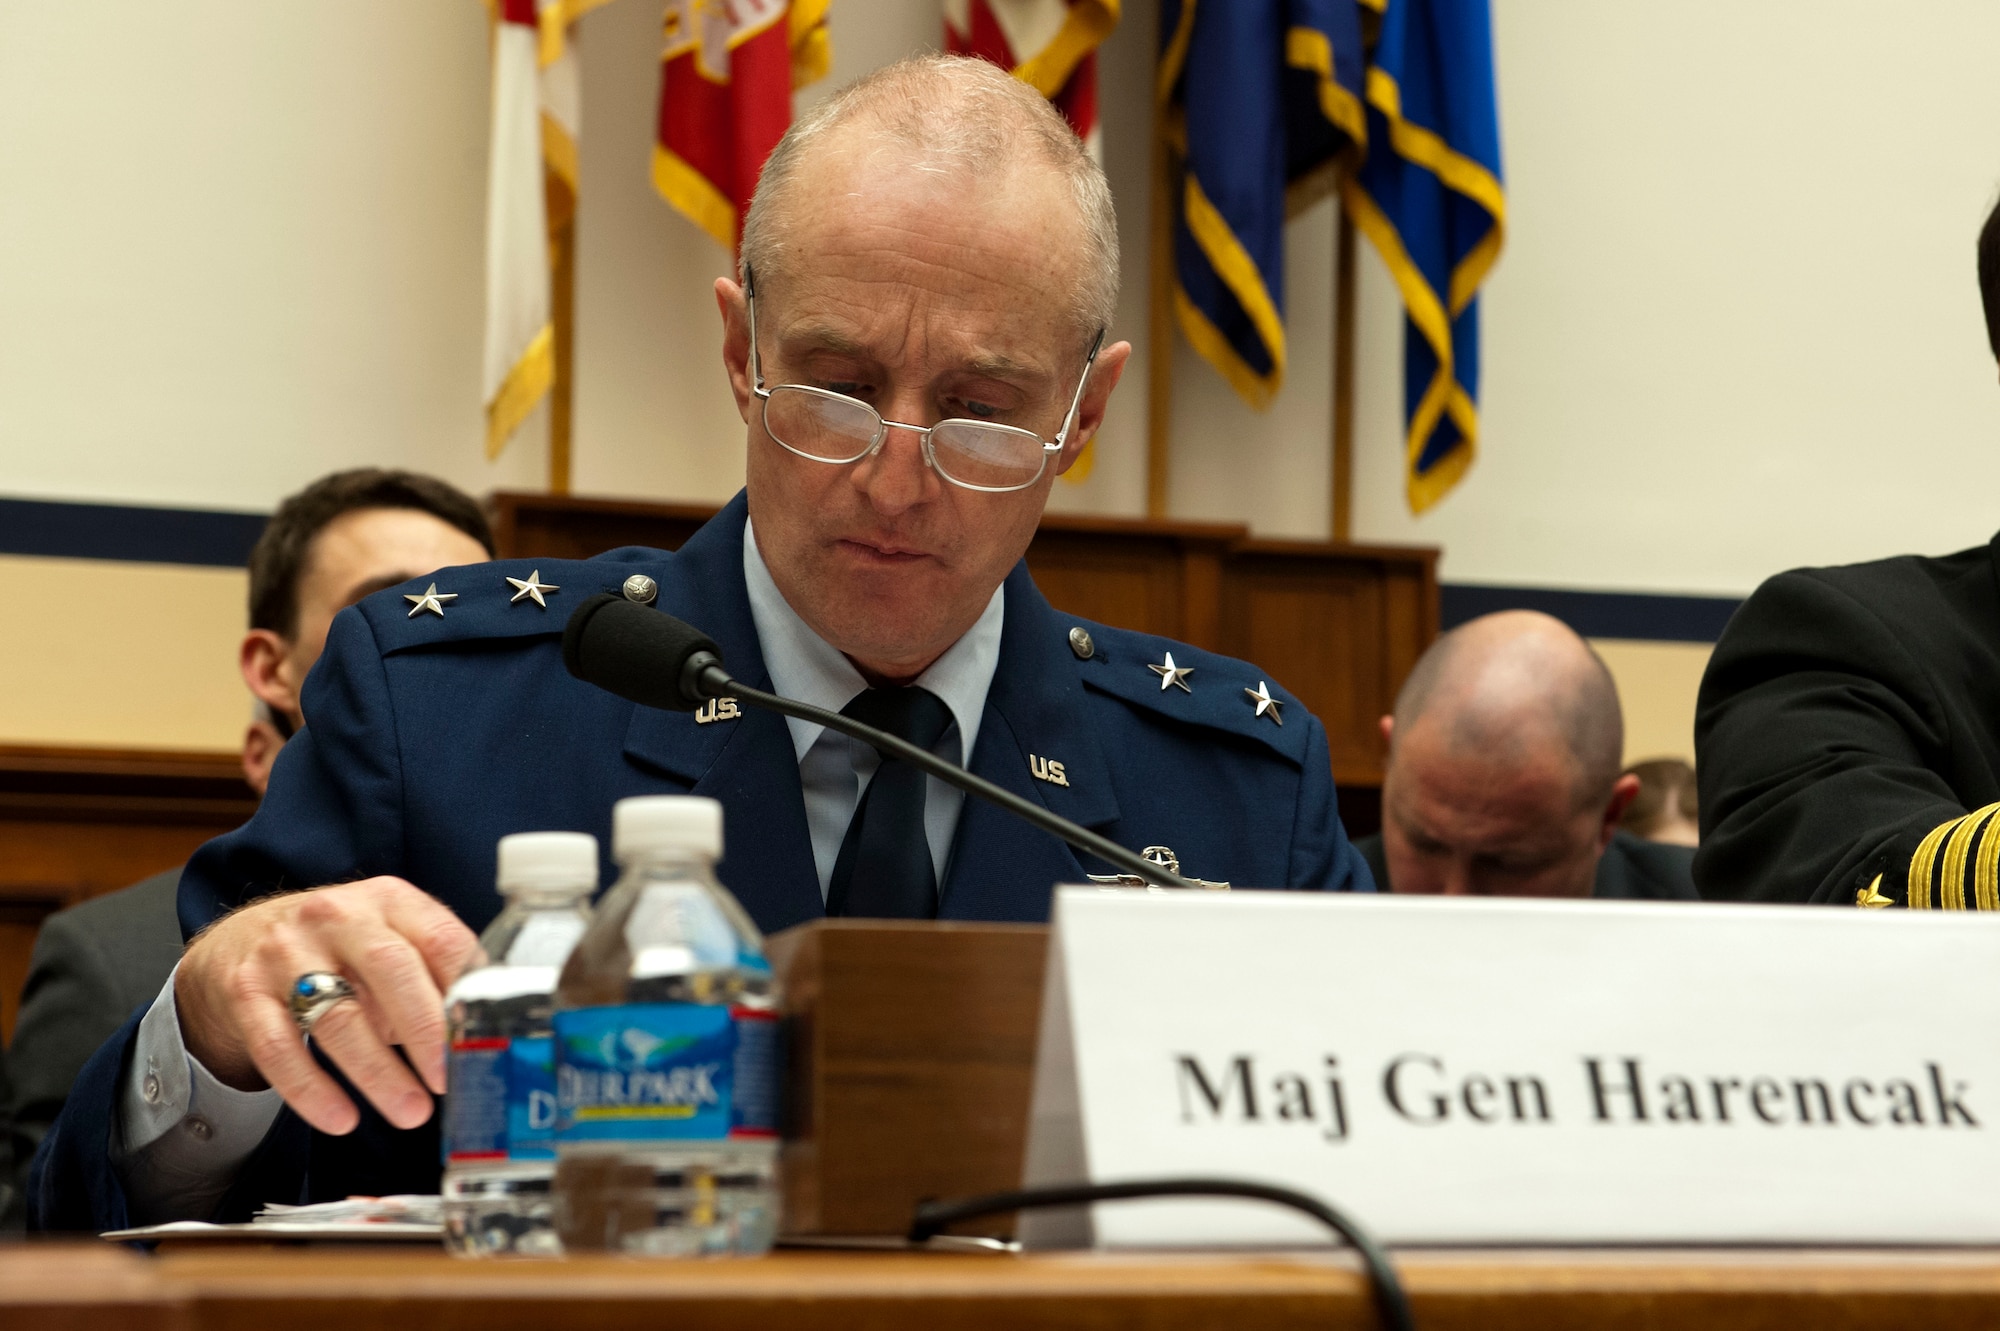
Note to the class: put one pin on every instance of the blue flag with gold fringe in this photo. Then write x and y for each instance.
(1429, 198)
(1262, 98)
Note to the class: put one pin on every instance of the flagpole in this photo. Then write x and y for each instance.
(1160, 323)
(1341, 508)
(562, 319)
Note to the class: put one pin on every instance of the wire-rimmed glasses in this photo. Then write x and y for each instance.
(826, 426)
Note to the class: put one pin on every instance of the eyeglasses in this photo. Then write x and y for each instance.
(825, 426)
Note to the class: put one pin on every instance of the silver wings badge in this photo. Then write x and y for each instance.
(1166, 859)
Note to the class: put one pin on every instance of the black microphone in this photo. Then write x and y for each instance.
(641, 655)
(655, 660)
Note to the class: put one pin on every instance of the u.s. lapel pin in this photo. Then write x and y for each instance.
(716, 709)
(1047, 769)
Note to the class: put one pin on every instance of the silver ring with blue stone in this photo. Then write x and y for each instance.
(314, 994)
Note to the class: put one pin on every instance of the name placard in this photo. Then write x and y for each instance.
(1551, 1072)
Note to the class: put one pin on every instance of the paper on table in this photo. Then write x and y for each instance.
(407, 1217)
(402, 1208)
(351, 1231)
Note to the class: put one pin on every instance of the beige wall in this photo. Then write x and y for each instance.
(1734, 328)
(244, 246)
(1657, 682)
(122, 655)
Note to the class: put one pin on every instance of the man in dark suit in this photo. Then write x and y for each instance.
(13, 1201)
(92, 965)
(917, 350)
(1503, 775)
(1848, 727)
(341, 538)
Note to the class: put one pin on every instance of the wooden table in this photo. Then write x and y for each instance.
(356, 1289)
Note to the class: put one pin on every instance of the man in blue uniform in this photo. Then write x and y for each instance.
(934, 260)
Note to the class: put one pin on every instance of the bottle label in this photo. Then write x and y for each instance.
(502, 1100)
(531, 1098)
(666, 1072)
(475, 1107)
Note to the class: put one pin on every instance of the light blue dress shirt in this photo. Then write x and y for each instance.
(833, 769)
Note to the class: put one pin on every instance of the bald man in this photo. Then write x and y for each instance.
(1503, 775)
(917, 347)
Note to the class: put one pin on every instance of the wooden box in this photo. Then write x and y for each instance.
(912, 1056)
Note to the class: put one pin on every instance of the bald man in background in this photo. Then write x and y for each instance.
(1503, 774)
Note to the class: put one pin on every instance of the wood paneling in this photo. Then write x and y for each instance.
(1340, 625)
(565, 527)
(75, 823)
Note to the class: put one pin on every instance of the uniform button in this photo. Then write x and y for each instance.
(150, 1088)
(1080, 643)
(641, 589)
(199, 1129)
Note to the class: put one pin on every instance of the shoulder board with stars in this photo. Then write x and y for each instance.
(1182, 683)
(508, 598)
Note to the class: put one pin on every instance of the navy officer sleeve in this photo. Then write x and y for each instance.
(334, 812)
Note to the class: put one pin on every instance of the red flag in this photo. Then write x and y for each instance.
(1049, 44)
(727, 71)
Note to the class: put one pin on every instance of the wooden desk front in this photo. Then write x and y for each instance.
(75, 823)
(321, 1289)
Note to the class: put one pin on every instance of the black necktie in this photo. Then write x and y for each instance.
(884, 868)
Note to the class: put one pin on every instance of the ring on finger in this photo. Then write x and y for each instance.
(314, 994)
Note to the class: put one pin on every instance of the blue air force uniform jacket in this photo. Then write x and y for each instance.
(431, 736)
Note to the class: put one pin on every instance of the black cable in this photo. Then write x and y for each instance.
(1392, 1305)
(951, 773)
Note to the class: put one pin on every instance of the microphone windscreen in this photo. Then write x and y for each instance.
(633, 652)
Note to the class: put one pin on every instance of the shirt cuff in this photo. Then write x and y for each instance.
(181, 1135)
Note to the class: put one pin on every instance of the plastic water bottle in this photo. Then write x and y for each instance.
(500, 1102)
(667, 1053)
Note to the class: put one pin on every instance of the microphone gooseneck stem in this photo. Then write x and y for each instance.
(714, 682)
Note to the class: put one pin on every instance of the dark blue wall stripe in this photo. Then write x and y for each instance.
(1598, 614)
(203, 536)
(117, 531)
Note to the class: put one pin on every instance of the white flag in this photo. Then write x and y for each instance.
(537, 109)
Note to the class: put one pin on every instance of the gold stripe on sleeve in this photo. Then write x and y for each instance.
(1923, 862)
(1953, 876)
(1986, 869)
(1951, 882)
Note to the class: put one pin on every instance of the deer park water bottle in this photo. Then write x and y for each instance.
(666, 1028)
(500, 1103)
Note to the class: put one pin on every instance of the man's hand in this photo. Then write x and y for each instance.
(399, 947)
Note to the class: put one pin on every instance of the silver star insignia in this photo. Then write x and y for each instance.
(432, 600)
(1172, 675)
(531, 589)
(1261, 695)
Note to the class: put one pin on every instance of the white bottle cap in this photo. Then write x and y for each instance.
(648, 824)
(548, 862)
